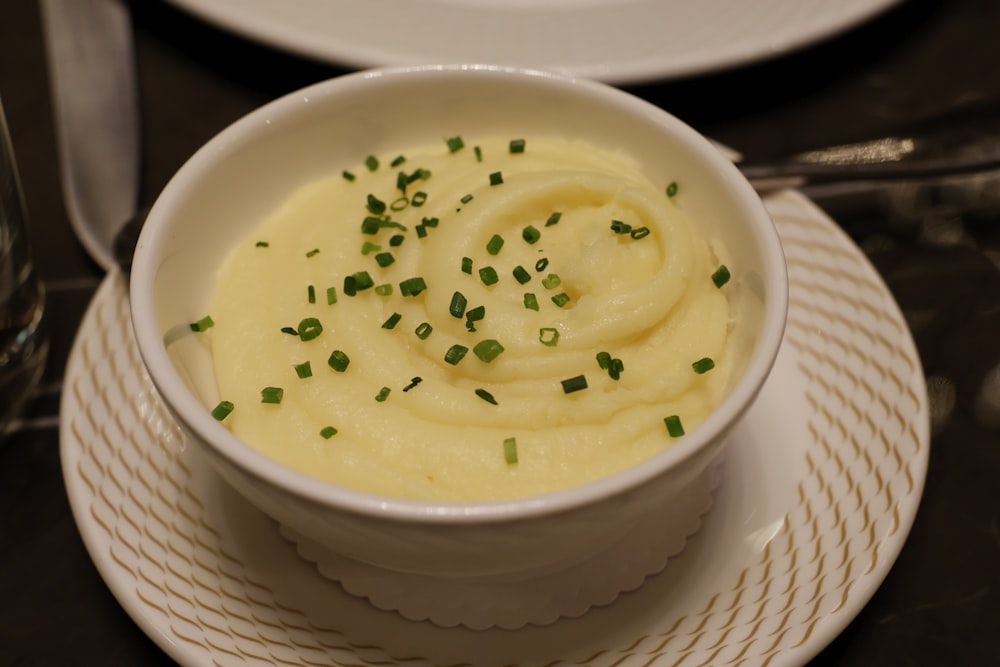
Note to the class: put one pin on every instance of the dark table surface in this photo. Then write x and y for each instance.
(940, 603)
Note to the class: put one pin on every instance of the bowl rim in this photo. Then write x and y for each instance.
(195, 417)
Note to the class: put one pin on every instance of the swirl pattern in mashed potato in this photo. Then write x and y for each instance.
(589, 257)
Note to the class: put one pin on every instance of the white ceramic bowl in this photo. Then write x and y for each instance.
(257, 163)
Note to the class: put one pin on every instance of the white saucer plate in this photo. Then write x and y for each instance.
(817, 494)
(617, 41)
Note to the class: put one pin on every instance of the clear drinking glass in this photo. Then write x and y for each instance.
(24, 343)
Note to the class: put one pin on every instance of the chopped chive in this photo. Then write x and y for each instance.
(488, 275)
(313, 252)
(494, 244)
(616, 368)
(530, 234)
(382, 394)
(455, 354)
(362, 280)
(375, 205)
(303, 370)
(392, 321)
(619, 227)
(368, 248)
(418, 199)
(674, 426)
(350, 285)
(530, 301)
(604, 360)
(222, 410)
(328, 432)
(348, 176)
(311, 294)
(412, 286)
(402, 181)
(271, 395)
(429, 222)
(384, 259)
(338, 361)
(371, 162)
(396, 240)
(290, 331)
(384, 289)
(466, 199)
(721, 276)
(672, 188)
(203, 324)
(496, 178)
(521, 274)
(423, 330)
(399, 203)
(542, 264)
(486, 396)
(421, 231)
(309, 328)
(551, 281)
(371, 225)
(510, 451)
(572, 384)
(548, 336)
(398, 160)
(467, 265)
(703, 365)
(475, 314)
(560, 299)
(262, 244)
(553, 219)
(455, 144)
(479, 153)
(639, 233)
(517, 145)
(487, 350)
(458, 304)
(331, 296)
(413, 383)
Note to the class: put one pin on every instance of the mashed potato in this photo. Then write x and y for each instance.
(472, 321)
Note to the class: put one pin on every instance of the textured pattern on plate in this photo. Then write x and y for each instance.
(147, 509)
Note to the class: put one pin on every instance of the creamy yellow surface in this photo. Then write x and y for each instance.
(649, 302)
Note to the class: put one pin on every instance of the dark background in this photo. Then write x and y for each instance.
(939, 605)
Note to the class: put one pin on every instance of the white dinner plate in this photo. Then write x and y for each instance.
(617, 41)
(817, 494)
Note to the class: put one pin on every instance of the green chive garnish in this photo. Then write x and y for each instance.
(672, 189)
(467, 265)
(291, 331)
(604, 360)
(382, 394)
(399, 203)
(384, 259)
(560, 299)
(309, 328)
(541, 264)
(639, 233)
(530, 301)
(384, 289)
(548, 336)
(455, 354)
(392, 321)
(455, 144)
(466, 199)
(703, 365)
(331, 296)
(721, 276)
(370, 225)
(530, 234)
(328, 432)
(619, 227)
(263, 244)
(303, 370)
(412, 286)
(362, 280)
(458, 304)
(272, 395)
(375, 205)
(311, 294)
(487, 350)
(521, 274)
(313, 252)
(396, 240)
(616, 368)
(338, 361)
(413, 383)
(572, 384)
(551, 281)
(474, 315)
(419, 198)
(494, 244)
(553, 219)
(222, 410)
(203, 324)
(674, 426)
(486, 396)
(371, 162)
(488, 275)
(479, 153)
(368, 247)
(510, 451)
(496, 178)
(348, 176)
(517, 145)
(423, 330)
(398, 160)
